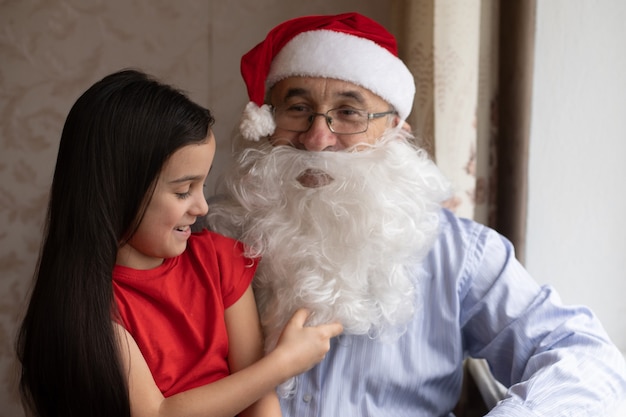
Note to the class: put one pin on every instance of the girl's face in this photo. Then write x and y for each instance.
(177, 201)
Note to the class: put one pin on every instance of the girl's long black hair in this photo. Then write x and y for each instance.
(115, 140)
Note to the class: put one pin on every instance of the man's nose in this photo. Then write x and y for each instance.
(318, 137)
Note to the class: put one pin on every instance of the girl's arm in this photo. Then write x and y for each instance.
(298, 349)
(245, 346)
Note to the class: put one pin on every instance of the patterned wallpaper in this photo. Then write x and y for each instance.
(52, 50)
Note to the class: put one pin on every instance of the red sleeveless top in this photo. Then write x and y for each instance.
(175, 312)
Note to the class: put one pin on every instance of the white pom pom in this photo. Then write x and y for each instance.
(257, 122)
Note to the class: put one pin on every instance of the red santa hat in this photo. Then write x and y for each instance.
(348, 47)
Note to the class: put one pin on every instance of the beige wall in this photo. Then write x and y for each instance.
(52, 50)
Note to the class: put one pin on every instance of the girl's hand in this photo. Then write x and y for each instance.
(300, 347)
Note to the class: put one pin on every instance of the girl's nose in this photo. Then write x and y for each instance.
(200, 206)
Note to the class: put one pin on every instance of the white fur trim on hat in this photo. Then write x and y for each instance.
(331, 54)
(257, 122)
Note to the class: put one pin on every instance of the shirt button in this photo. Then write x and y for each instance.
(307, 398)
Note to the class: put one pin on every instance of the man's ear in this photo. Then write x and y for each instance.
(405, 125)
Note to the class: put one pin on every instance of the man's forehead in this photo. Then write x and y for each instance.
(315, 88)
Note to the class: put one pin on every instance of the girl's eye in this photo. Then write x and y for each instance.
(195, 187)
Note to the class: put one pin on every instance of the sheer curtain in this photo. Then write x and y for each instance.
(472, 62)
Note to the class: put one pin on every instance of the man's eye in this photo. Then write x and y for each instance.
(348, 113)
(298, 109)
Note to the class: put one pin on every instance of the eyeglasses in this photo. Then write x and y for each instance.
(341, 121)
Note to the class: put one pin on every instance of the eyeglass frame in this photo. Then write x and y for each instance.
(328, 119)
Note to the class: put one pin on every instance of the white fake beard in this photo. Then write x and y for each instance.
(344, 245)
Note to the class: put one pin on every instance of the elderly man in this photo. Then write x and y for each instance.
(331, 190)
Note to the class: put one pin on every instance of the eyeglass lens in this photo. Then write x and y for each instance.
(341, 121)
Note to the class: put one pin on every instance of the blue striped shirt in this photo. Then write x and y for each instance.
(475, 300)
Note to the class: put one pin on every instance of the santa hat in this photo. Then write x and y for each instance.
(348, 47)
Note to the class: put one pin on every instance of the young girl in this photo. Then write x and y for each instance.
(131, 314)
